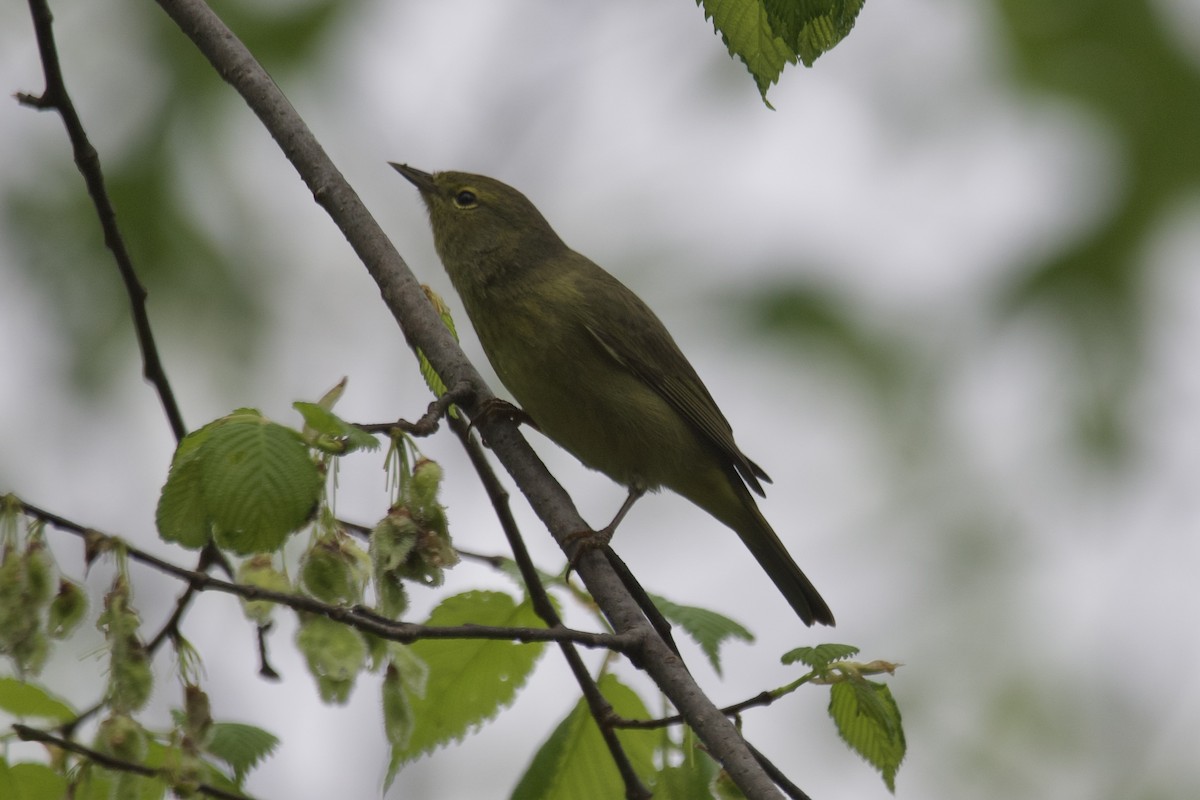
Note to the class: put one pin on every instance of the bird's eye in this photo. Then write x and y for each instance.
(466, 199)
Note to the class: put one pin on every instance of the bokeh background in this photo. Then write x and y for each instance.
(947, 292)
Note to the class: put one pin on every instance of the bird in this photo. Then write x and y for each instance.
(594, 368)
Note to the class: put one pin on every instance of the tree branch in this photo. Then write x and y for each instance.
(29, 734)
(599, 706)
(358, 617)
(88, 161)
(423, 328)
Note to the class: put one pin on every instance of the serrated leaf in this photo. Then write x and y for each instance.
(320, 422)
(709, 629)
(812, 27)
(767, 35)
(240, 746)
(320, 419)
(746, 31)
(258, 485)
(242, 477)
(868, 720)
(575, 763)
(821, 656)
(23, 699)
(469, 681)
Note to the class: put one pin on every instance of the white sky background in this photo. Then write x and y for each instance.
(902, 171)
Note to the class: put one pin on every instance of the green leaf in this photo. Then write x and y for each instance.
(432, 379)
(97, 783)
(767, 35)
(25, 781)
(574, 762)
(708, 628)
(690, 773)
(746, 31)
(331, 433)
(181, 516)
(397, 710)
(23, 699)
(868, 719)
(320, 419)
(812, 27)
(819, 657)
(688, 781)
(243, 478)
(259, 485)
(240, 746)
(469, 681)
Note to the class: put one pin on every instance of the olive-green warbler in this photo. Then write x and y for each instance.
(593, 367)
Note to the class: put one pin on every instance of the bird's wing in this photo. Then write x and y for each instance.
(652, 355)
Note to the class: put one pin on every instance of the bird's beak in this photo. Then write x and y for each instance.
(422, 180)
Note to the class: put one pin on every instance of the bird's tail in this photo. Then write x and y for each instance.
(762, 542)
(774, 558)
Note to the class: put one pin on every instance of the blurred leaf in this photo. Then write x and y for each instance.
(195, 277)
(25, 699)
(708, 628)
(25, 781)
(469, 680)
(1117, 62)
(815, 319)
(331, 433)
(821, 656)
(575, 763)
(242, 747)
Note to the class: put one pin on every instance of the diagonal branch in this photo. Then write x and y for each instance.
(423, 328)
(599, 706)
(28, 734)
(55, 98)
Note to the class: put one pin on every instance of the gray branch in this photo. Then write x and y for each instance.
(422, 328)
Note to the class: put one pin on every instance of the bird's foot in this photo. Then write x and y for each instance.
(494, 408)
(579, 543)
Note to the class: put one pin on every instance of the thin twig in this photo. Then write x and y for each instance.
(422, 326)
(107, 761)
(56, 98)
(357, 617)
(601, 710)
(429, 422)
(760, 699)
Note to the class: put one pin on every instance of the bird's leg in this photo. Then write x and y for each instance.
(582, 541)
(635, 494)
